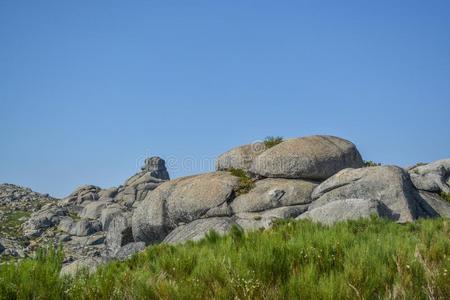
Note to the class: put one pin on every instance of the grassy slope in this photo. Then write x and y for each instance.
(366, 259)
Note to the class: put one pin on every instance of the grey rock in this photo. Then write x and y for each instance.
(433, 177)
(389, 184)
(2, 248)
(197, 230)
(108, 193)
(43, 219)
(81, 194)
(85, 227)
(156, 166)
(265, 219)
(88, 265)
(96, 239)
(439, 205)
(119, 233)
(21, 198)
(347, 209)
(182, 200)
(129, 249)
(66, 224)
(274, 192)
(137, 187)
(313, 157)
(240, 157)
(108, 215)
(93, 210)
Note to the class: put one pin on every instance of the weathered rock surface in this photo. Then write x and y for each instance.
(347, 209)
(92, 210)
(81, 194)
(437, 204)
(82, 265)
(197, 229)
(432, 177)
(315, 157)
(274, 192)
(47, 217)
(181, 201)
(265, 219)
(85, 227)
(136, 188)
(129, 249)
(119, 233)
(388, 184)
(240, 157)
(20, 198)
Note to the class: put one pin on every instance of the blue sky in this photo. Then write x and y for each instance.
(88, 89)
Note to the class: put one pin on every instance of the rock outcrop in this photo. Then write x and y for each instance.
(388, 184)
(320, 178)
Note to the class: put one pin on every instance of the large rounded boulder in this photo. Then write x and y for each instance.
(315, 157)
(390, 185)
(432, 177)
(241, 157)
(181, 201)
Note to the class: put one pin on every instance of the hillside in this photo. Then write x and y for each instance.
(364, 259)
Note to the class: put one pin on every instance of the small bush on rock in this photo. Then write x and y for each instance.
(245, 182)
(445, 196)
(369, 163)
(271, 141)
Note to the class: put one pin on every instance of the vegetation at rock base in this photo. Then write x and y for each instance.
(445, 196)
(245, 182)
(271, 141)
(369, 163)
(364, 259)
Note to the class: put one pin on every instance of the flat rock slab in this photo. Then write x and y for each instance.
(197, 230)
(347, 209)
(315, 157)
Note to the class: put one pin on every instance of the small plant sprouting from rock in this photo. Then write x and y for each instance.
(271, 141)
(370, 163)
(245, 182)
(445, 196)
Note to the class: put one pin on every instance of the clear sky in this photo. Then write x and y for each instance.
(88, 89)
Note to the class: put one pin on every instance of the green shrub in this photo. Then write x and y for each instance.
(369, 163)
(363, 259)
(271, 141)
(245, 182)
(445, 196)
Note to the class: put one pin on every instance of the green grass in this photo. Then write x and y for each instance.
(365, 259)
(245, 182)
(445, 196)
(271, 141)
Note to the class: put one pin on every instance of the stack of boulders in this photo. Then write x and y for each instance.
(94, 224)
(15, 197)
(321, 178)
